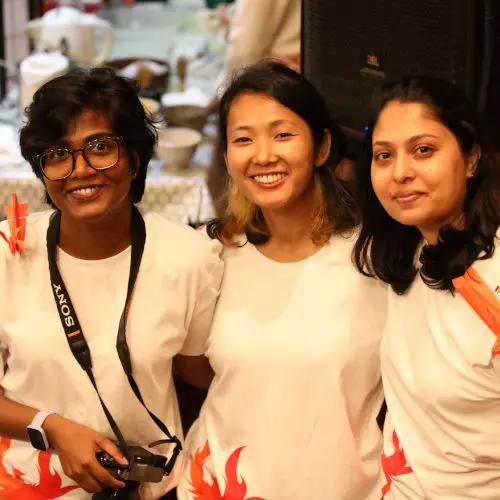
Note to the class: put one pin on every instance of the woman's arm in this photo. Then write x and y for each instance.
(205, 281)
(15, 419)
(75, 444)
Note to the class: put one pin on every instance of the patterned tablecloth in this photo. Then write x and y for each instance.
(180, 196)
(146, 30)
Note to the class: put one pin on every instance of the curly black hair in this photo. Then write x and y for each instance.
(60, 101)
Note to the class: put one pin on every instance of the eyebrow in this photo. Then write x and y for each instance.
(415, 138)
(270, 125)
(89, 138)
(98, 135)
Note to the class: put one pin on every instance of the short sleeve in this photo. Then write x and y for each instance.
(4, 286)
(3, 359)
(206, 278)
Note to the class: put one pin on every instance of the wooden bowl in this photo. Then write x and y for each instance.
(148, 81)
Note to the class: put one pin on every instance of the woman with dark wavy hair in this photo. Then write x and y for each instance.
(94, 270)
(429, 191)
(291, 412)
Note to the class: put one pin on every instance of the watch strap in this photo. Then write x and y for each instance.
(36, 425)
(40, 418)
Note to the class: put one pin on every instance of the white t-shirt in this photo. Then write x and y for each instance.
(170, 312)
(291, 413)
(442, 386)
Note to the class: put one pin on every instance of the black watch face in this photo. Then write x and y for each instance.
(36, 439)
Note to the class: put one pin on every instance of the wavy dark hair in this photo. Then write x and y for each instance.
(57, 103)
(336, 210)
(387, 249)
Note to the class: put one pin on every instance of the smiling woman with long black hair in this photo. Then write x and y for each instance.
(430, 196)
(291, 413)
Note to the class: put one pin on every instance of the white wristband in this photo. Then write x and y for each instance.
(36, 432)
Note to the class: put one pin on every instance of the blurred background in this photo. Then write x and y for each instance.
(180, 52)
(174, 49)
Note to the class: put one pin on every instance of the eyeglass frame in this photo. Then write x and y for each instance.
(118, 138)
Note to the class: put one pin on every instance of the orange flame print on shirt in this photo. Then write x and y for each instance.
(203, 490)
(13, 486)
(395, 464)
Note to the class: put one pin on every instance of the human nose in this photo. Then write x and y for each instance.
(403, 168)
(264, 152)
(82, 168)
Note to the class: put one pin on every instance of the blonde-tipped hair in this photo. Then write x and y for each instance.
(242, 216)
(334, 209)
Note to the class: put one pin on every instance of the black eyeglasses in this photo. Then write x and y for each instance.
(100, 154)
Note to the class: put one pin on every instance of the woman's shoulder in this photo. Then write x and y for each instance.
(236, 246)
(341, 245)
(339, 255)
(489, 269)
(34, 236)
(177, 242)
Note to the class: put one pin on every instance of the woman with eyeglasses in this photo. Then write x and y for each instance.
(95, 270)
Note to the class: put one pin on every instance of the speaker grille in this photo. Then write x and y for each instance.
(493, 96)
(433, 37)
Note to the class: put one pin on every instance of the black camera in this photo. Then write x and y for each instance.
(143, 466)
(127, 493)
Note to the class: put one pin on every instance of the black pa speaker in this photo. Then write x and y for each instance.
(350, 47)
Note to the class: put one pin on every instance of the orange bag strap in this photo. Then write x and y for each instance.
(479, 296)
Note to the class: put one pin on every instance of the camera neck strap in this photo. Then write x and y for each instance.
(74, 332)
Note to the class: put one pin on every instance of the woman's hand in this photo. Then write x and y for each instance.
(76, 446)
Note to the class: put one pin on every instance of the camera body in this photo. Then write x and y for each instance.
(143, 466)
(127, 493)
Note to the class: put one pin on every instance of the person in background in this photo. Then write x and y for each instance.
(430, 196)
(291, 413)
(258, 29)
(89, 140)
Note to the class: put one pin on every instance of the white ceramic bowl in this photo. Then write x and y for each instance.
(151, 106)
(177, 145)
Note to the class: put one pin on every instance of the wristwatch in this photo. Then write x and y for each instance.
(36, 432)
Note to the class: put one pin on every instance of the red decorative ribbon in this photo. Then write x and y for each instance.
(16, 216)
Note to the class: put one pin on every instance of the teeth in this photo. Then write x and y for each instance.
(269, 179)
(85, 191)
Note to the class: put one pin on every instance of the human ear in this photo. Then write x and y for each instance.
(473, 161)
(324, 149)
